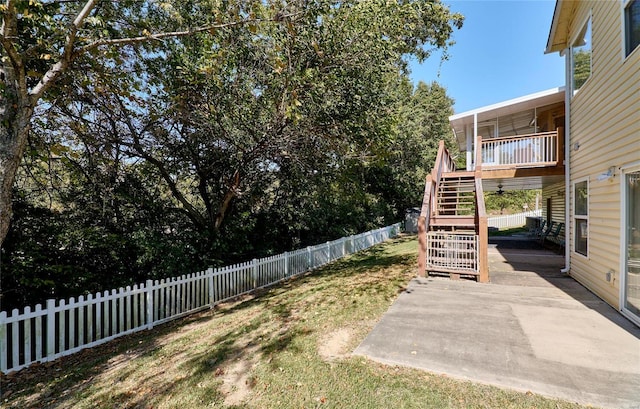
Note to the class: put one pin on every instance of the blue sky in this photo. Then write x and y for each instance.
(498, 55)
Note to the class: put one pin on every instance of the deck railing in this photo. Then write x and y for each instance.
(454, 253)
(540, 149)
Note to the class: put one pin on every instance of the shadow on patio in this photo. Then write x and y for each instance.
(532, 328)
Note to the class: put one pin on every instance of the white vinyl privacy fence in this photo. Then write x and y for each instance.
(64, 327)
(512, 220)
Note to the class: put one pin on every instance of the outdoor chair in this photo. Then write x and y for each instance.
(552, 234)
(545, 229)
(537, 231)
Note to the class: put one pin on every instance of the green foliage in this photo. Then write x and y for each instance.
(224, 145)
(581, 68)
(511, 202)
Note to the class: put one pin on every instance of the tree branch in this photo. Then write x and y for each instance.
(8, 34)
(67, 57)
(160, 36)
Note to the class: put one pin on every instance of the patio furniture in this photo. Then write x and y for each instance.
(552, 233)
(545, 232)
(537, 230)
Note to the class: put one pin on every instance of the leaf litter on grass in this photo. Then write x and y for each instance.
(286, 347)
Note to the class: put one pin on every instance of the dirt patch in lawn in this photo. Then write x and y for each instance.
(237, 379)
(336, 344)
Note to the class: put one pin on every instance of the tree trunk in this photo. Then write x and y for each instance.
(11, 150)
(15, 122)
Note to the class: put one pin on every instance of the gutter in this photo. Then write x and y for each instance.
(568, 91)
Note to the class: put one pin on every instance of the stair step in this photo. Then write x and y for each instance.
(463, 182)
(453, 220)
(459, 173)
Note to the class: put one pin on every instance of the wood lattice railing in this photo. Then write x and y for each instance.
(451, 252)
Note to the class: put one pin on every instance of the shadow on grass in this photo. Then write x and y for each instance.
(65, 381)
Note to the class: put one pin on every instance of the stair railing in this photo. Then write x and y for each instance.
(444, 163)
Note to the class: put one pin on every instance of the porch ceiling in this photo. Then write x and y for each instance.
(528, 102)
(520, 183)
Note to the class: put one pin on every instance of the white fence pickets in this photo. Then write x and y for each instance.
(512, 220)
(68, 326)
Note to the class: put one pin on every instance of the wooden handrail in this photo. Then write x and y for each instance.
(426, 209)
(444, 163)
(423, 225)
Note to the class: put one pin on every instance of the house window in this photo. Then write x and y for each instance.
(581, 57)
(581, 217)
(632, 25)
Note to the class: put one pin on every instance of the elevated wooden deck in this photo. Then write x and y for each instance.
(540, 154)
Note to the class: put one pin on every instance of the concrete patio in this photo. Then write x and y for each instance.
(531, 329)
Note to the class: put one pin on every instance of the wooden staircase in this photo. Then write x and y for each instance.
(452, 226)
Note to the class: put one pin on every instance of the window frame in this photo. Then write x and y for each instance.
(580, 217)
(626, 29)
(587, 26)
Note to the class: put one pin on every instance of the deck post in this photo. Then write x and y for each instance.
(422, 246)
(560, 146)
(481, 214)
(423, 220)
(483, 250)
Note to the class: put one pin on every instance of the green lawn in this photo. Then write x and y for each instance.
(285, 348)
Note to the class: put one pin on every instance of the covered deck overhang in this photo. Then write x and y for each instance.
(521, 140)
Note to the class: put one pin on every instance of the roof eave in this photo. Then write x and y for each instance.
(557, 40)
(552, 31)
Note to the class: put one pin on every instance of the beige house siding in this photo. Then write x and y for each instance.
(556, 193)
(605, 123)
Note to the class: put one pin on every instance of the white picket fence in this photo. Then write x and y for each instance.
(64, 327)
(512, 220)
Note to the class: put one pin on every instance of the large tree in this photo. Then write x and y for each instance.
(326, 66)
(181, 153)
(42, 40)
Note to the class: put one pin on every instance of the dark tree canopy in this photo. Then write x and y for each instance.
(180, 135)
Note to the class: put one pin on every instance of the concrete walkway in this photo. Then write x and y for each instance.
(531, 329)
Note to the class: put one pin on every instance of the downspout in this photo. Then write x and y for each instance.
(568, 93)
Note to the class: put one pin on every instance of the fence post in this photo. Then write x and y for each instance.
(286, 264)
(3, 342)
(308, 258)
(210, 280)
(328, 244)
(51, 329)
(150, 306)
(254, 263)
